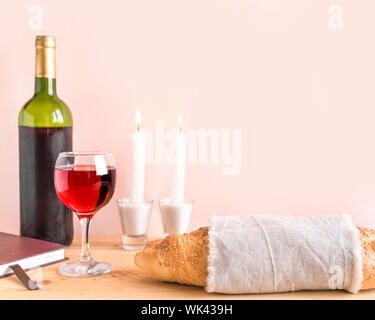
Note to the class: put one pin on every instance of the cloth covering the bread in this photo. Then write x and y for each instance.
(265, 254)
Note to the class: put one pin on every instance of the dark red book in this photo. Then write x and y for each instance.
(29, 253)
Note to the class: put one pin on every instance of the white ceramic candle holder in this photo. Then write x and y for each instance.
(135, 219)
(175, 216)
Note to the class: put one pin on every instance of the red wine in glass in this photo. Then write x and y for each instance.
(85, 182)
(82, 190)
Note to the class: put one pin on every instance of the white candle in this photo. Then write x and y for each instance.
(138, 162)
(179, 169)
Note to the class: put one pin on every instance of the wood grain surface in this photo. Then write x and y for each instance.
(127, 282)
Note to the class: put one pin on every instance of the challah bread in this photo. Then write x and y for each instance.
(183, 258)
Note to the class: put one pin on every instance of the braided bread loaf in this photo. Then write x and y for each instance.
(183, 258)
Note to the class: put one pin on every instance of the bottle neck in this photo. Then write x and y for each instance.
(45, 86)
(45, 70)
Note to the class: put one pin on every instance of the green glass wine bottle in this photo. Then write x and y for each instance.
(45, 129)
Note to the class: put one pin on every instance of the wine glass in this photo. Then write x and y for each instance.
(85, 182)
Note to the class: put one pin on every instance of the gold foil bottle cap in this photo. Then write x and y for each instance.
(45, 66)
(45, 42)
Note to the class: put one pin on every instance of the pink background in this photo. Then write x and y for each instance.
(301, 93)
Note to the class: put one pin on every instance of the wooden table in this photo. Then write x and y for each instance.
(127, 282)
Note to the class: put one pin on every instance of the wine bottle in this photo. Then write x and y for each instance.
(45, 129)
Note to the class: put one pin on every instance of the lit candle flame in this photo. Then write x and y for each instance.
(138, 119)
(180, 123)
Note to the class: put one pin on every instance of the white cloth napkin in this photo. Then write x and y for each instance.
(264, 254)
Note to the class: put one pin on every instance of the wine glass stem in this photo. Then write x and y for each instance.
(85, 250)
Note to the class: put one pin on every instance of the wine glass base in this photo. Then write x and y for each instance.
(85, 269)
